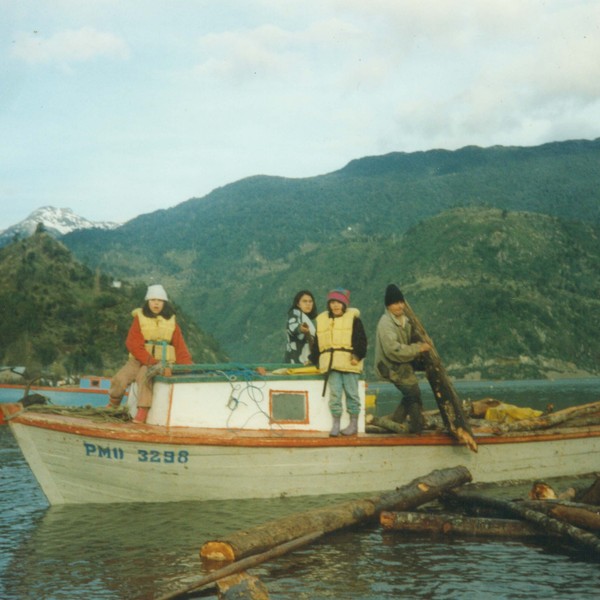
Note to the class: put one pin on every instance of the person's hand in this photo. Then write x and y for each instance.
(154, 370)
(304, 328)
(425, 347)
(354, 360)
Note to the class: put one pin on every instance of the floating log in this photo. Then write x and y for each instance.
(241, 565)
(592, 494)
(551, 525)
(444, 392)
(244, 543)
(583, 516)
(242, 586)
(457, 525)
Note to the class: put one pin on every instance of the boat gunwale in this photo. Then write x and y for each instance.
(59, 389)
(276, 438)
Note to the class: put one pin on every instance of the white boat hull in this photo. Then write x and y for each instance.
(231, 439)
(76, 468)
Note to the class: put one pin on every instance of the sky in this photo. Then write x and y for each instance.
(116, 108)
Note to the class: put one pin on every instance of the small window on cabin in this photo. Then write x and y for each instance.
(94, 383)
(289, 407)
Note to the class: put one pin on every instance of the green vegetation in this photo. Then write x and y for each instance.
(496, 249)
(61, 318)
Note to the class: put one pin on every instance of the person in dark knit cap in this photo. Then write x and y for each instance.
(396, 347)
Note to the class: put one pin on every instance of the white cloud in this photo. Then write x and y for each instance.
(68, 46)
(216, 91)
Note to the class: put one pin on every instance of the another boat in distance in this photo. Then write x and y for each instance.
(250, 431)
(92, 390)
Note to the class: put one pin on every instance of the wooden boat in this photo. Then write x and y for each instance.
(232, 432)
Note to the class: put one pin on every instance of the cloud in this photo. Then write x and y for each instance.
(69, 46)
(271, 51)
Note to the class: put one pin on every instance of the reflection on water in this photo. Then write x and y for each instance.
(139, 551)
(371, 564)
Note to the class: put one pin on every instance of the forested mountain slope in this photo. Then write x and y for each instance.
(497, 247)
(60, 317)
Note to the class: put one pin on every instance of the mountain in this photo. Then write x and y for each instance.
(60, 316)
(56, 221)
(236, 257)
(503, 294)
(262, 219)
(496, 249)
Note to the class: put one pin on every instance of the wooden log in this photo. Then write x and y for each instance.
(583, 516)
(244, 543)
(242, 586)
(368, 429)
(388, 424)
(592, 494)
(241, 565)
(551, 525)
(552, 419)
(385, 424)
(457, 525)
(444, 392)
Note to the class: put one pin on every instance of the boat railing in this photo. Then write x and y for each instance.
(203, 372)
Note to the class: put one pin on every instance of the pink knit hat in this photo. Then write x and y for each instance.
(341, 295)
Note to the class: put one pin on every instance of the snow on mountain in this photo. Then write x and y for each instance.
(56, 221)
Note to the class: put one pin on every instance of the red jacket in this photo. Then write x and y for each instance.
(135, 344)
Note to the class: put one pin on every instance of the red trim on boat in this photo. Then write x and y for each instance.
(276, 438)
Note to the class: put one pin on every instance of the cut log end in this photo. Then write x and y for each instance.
(464, 437)
(218, 551)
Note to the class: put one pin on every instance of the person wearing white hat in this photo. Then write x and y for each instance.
(154, 338)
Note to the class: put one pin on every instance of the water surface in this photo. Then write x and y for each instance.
(138, 551)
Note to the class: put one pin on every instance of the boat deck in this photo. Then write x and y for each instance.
(103, 425)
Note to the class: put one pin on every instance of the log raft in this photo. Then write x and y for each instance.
(552, 525)
(420, 491)
(252, 547)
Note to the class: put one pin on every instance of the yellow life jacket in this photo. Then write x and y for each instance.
(335, 342)
(158, 333)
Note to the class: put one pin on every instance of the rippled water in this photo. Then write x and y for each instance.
(140, 551)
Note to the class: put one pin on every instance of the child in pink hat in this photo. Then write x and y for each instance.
(339, 350)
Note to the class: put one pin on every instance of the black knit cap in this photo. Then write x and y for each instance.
(393, 294)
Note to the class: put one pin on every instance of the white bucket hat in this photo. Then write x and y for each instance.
(156, 292)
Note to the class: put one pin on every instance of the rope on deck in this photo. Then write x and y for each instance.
(101, 414)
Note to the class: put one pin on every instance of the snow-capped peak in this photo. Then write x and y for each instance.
(56, 221)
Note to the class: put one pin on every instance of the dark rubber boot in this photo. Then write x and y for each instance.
(415, 418)
(335, 428)
(400, 413)
(352, 428)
